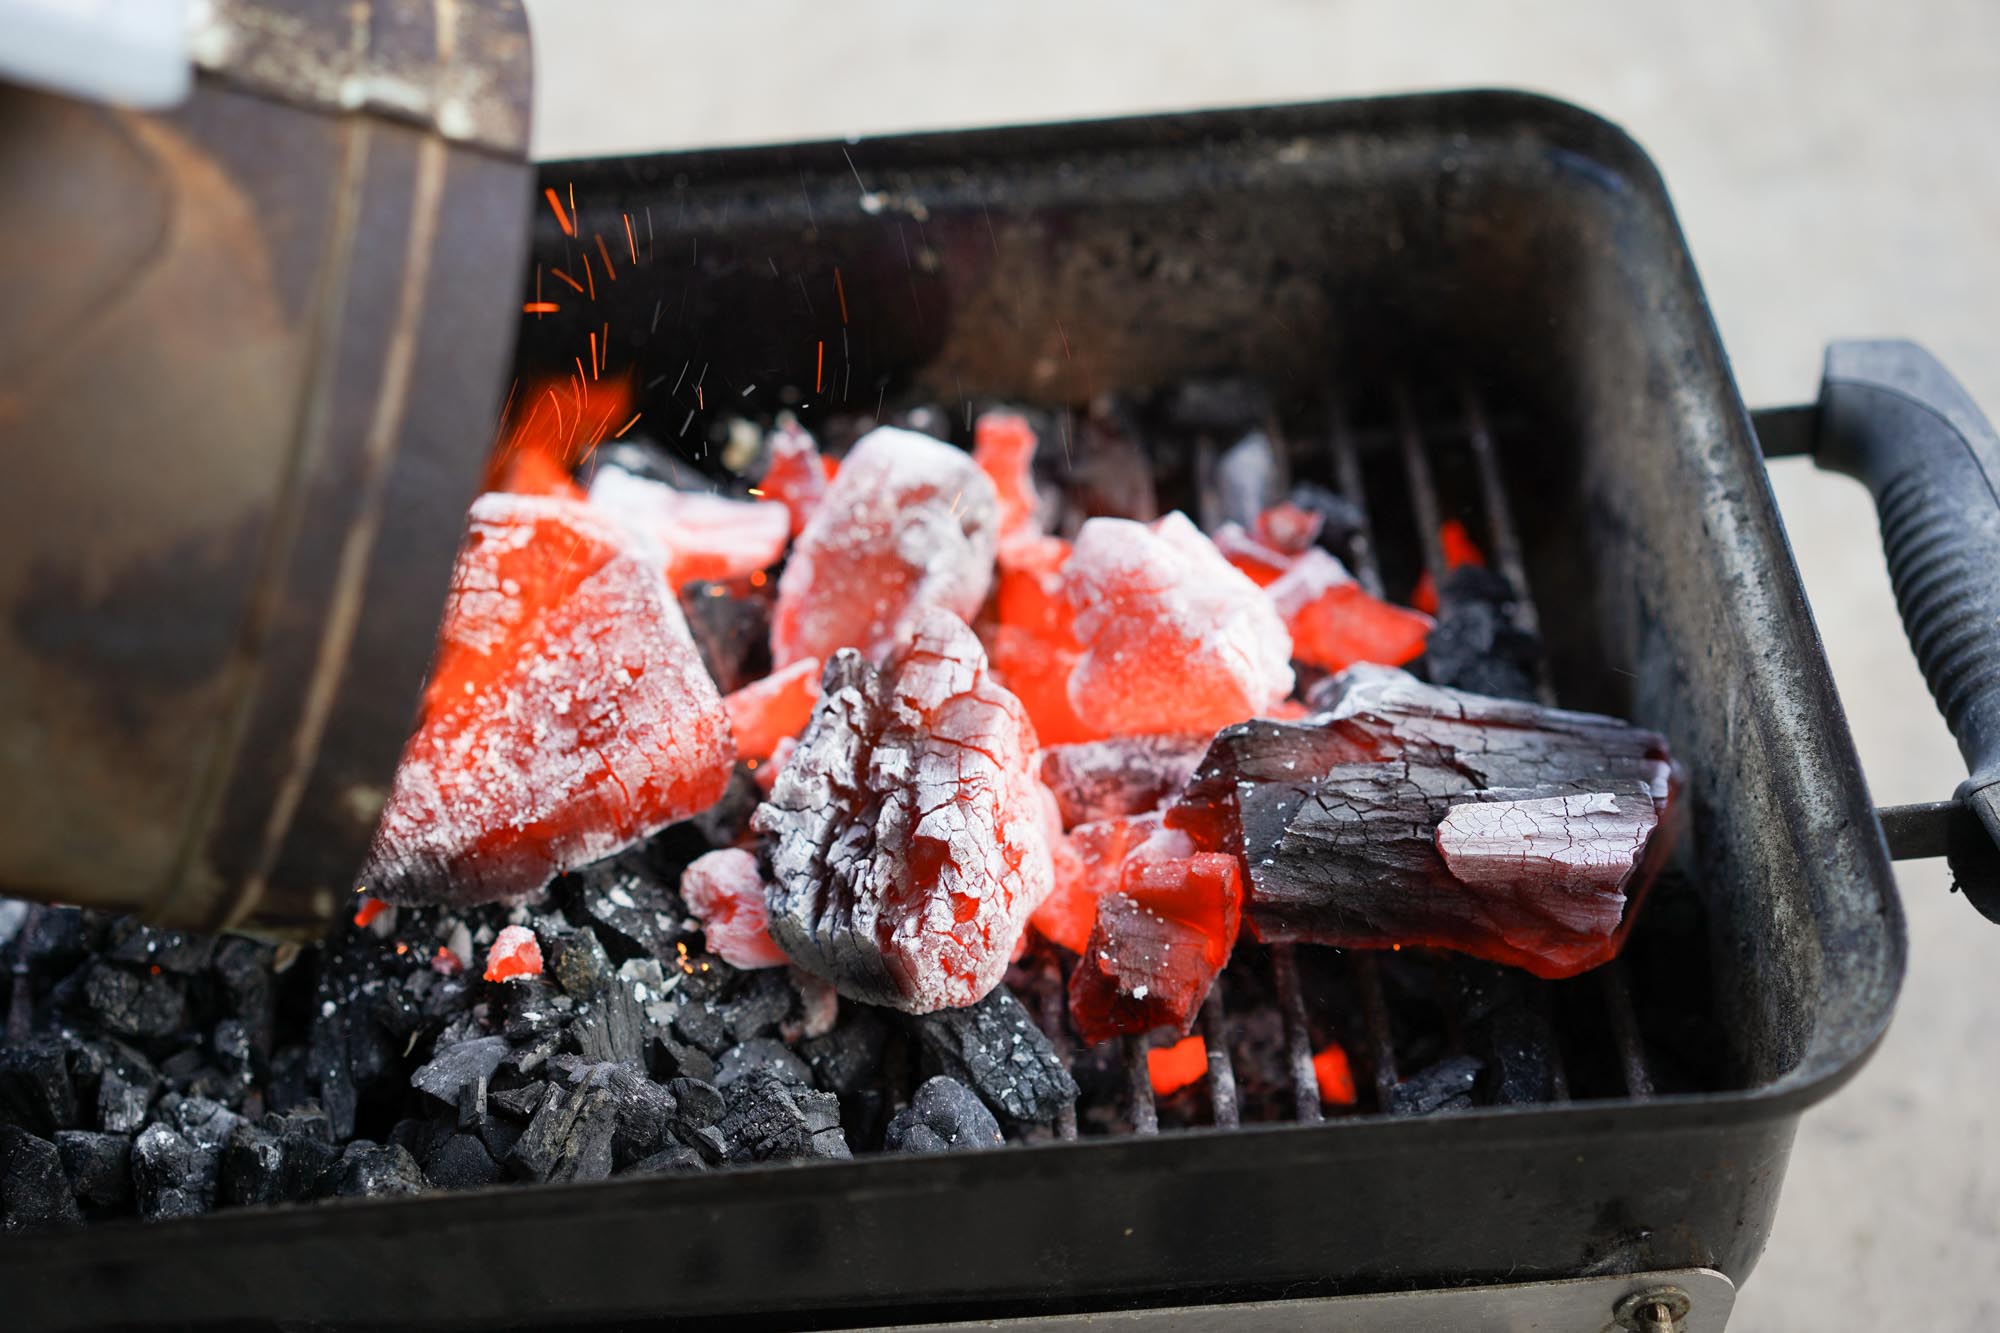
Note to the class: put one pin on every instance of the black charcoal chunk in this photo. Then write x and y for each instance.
(646, 1113)
(724, 823)
(732, 634)
(1480, 642)
(757, 1004)
(634, 912)
(207, 1123)
(519, 1102)
(668, 1161)
(35, 1088)
(1520, 1057)
(125, 1091)
(667, 1059)
(613, 1027)
(172, 1176)
(253, 1168)
(99, 1167)
(148, 946)
(698, 1025)
(376, 1170)
(135, 1004)
(580, 965)
(461, 1162)
(420, 1137)
(700, 1103)
(848, 1058)
(308, 1166)
(995, 1049)
(1343, 523)
(761, 1053)
(34, 1192)
(769, 1119)
(1445, 1086)
(944, 1116)
(571, 1135)
(452, 1070)
(244, 968)
(234, 1053)
(535, 1008)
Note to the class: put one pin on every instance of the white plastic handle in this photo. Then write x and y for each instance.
(132, 52)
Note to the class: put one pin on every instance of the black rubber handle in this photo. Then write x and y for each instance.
(1893, 417)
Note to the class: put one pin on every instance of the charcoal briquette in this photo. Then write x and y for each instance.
(252, 1170)
(944, 1116)
(461, 1162)
(35, 1088)
(455, 1068)
(34, 1192)
(995, 1049)
(1445, 1086)
(761, 1053)
(135, 1003)
(374, 1170)
(99, 1168)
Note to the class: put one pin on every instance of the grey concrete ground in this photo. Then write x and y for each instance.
(1836, 168)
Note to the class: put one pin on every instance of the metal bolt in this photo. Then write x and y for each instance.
(1654, 1310)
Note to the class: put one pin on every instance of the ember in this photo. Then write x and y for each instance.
(567, 714)
(1171, 1068)
(904, 830)
(515, 953)
(773, 709)
(727, 893)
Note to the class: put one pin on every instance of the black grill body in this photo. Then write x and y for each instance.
(1484, 247)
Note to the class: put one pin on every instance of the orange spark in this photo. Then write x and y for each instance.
(840, 288)
(610, 273)
(540, 308)
(630, 243)
(593, 356)
(588, 278)
(819, 371)
(606, 362)
(628, 425)
(568, 279)
(569, 227)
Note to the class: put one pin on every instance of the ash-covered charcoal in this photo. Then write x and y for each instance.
(770, 1118)
(943, 1116)
(694, 534)
(1445, 1086)
(567, 715)
(794, 474)
(1175, 638)
(1405, 814)
(1122, 775)
(34, 1192)
(908, 525)
(1246, 479)
(377, 1170)
(905, 832)
(138, 1003)
(1480, 643)
(727, 894)
(995, 1049)
(35, 1088)
(1034, 643)
(731, 630)
(767, 711)
(1159, 942)
(1088, 860)
(99, 1168)
(1003, 445)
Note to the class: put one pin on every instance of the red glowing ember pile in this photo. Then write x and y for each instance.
(973, 732)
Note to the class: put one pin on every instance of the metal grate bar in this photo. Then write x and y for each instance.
(1375, 1019)
(1221, 1074)
(1625, 1029)
(1298, 1040)
(1139, 1086)
(1347, 477)
(1423, 486)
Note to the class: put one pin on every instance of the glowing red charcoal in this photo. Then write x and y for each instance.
(905, 832)
(1160, 940)
(1290, 527)
(1088, 860)
(1335, 623)
(1459, 551)
(515, 953)
(1034, 647)
(1334, 1076)
(909, 523)
(1003, 444)
(725, 891)
(551, 428)
(1171, 1068)
(706, 537)
(796, 476)
(769, 710)
(568, 713)
(1174, 638)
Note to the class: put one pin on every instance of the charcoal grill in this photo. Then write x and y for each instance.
(1477, 303)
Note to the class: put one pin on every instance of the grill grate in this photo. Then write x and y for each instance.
(1420, 449)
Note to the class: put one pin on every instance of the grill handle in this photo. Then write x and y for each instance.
(1891, 416)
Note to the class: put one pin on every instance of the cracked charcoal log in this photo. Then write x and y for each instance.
(613, 1027)
(377, 1170)
(1407, 814)
(567, 716)
(944, 1116)
(1159, 942)
(99, 1168)
(904, 833)
(1445, 1086)
(1479, 642)
(995, 1049)
(451, 1070)
(1123, 775)
(34, 1192)
(35, 1088)
(135, 1004)
(908, 525)
(761, 1053)
(770, 1119)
